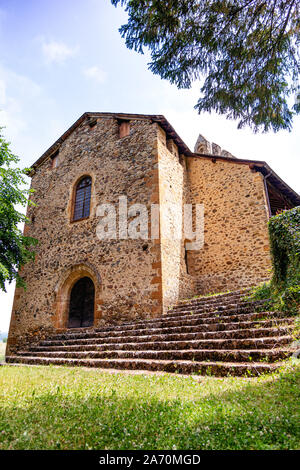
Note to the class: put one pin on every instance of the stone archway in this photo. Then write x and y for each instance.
(64, 289)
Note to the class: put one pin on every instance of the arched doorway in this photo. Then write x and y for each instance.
(82, 299)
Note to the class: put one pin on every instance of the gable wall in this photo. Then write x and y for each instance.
(127, 272)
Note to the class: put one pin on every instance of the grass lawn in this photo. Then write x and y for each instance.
(75, 408)
(2, 350)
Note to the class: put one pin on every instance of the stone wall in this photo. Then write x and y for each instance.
(136, 278)
(126, 273)
(236, 248)
(176, 283)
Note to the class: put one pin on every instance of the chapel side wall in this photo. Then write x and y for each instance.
(236, 251)
(126, 273)
(176, 283)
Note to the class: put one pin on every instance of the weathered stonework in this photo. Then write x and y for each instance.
(236, 249)
(123, 271)
(142, 158)
(176, 283)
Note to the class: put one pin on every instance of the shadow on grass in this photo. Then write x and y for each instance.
(263, 414)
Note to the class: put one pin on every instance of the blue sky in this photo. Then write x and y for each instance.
(59, 59)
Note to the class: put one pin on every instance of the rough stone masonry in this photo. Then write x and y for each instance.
(143, 158)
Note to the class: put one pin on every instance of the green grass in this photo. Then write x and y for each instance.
(2, 351)
(73, 408)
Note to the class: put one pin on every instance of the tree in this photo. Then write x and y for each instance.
(14, 246)
(246, 51)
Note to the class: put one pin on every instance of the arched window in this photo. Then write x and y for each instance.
(82, 198)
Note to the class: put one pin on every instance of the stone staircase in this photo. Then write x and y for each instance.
(219, 335)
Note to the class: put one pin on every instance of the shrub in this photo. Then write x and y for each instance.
(283, 291)
(284, 232)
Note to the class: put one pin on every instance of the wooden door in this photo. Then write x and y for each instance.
(81, 313)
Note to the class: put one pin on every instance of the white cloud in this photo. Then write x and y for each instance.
(96, 74)
(57, 52)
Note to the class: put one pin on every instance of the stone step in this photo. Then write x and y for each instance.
(217, 297)
(214, 302)
(219, 335)
(82, 333)
(230, 307)
(188, 324)
(190, 320)
(164, 337)
(252, 343)
(233, 355)
(182, 367)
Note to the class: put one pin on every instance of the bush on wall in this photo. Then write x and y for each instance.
(283, 291)
(284, 232)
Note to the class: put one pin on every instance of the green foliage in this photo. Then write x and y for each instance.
(262, 292)
(284, 232)
(14, 247)
(283, 291)
(247, 50)
(65, 408)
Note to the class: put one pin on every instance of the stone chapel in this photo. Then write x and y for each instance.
(79, 281)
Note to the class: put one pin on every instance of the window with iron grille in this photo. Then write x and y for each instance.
(82, 199)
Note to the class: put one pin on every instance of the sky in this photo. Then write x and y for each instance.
(60, 58)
